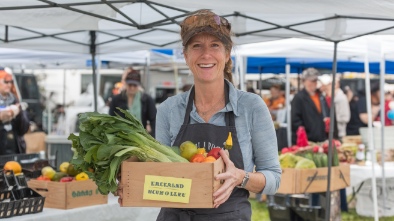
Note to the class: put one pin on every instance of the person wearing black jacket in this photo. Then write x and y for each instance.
(309, 109)
(139, 104)
(14, 122)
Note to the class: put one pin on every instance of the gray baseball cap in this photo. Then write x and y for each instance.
(310, 74)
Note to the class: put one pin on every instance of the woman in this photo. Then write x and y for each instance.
(211, 109)
(14, 122)
(139, 104)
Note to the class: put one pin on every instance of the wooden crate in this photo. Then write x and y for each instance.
(135, 179)
(68, 195)
(296, 181)
(352, 139)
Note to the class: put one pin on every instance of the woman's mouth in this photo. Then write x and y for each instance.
(206, 65)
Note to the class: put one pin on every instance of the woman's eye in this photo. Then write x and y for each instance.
(196, 46)
(215, 45)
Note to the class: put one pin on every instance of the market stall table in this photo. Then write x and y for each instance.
(110, 211)
(360, 179)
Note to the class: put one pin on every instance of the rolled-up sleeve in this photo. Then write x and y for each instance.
(265, 147)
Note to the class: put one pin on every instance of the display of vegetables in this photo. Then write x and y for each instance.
(105, 141)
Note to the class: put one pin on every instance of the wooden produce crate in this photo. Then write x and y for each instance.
(174, 185)
(68, 195)
(298, 181)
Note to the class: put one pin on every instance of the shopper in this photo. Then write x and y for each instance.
(14, 122)
(138, 103)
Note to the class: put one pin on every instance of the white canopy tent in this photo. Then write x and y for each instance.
(116, 25)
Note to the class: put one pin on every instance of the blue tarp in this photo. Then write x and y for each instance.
(255, 65)
(277, 65)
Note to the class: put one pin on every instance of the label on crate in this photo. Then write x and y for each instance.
(168, 189)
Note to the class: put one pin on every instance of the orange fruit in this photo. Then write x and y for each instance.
(209, 159)
(14, 166)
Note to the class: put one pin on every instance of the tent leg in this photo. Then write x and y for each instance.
(331, 134)
(371, 146)
(382, 121)
(288, 116)
(93, 53)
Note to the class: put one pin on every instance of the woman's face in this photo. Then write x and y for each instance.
(132, 89)
(206, 57)
(5, 86)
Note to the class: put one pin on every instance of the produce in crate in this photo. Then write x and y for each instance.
(105, 141)
(14, 166)
(289, 160)
(188, 149)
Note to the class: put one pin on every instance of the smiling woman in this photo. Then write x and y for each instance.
(212, 109)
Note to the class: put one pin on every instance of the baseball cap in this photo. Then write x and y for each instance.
(133, 77)
(310, 74)
(205, 21)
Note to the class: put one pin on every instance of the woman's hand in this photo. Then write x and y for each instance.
(6, 115)
(232, 177)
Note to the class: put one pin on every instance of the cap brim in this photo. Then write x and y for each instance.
(206, 29)
(133, 82)
(311, 78)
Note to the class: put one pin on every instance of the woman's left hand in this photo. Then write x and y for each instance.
(232, 177)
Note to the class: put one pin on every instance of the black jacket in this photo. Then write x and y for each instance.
(148, 109)
(20, 126)
(304, 113)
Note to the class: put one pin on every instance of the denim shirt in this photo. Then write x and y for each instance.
(255, 130)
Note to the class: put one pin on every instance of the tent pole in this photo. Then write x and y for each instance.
(331, 135)
(382, 121)
(93, 53)
(6, 34)
(288, 116)
(147, 71)
(239, 67)
(261, 80)
(64, 88)
(371, 145)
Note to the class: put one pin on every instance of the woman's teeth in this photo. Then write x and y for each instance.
(206, 65)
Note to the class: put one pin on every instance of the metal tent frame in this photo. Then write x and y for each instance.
(265, 29)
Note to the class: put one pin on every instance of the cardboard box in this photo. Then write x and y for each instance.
(352, 139)
(295, 181)
(68, 195)
(153, 184)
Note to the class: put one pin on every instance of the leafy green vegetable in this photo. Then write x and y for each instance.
(105, 141)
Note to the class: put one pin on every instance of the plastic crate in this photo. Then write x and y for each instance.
(20, 158)
(16, 198)
(281, 213)
(315, 213)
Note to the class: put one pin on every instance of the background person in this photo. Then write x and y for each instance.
(342, 107)
(14, 122)
(211, 109)
(276, 101)
(310, 110)
(139, 104)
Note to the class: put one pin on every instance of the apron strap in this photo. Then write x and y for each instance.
(229, 116)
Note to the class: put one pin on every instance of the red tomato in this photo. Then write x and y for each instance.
(214, 152)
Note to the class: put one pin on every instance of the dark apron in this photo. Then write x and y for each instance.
(237, 207)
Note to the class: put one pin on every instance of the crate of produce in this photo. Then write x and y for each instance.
(296, 181)
(175, 185)
(68, 195)
(16, 198)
